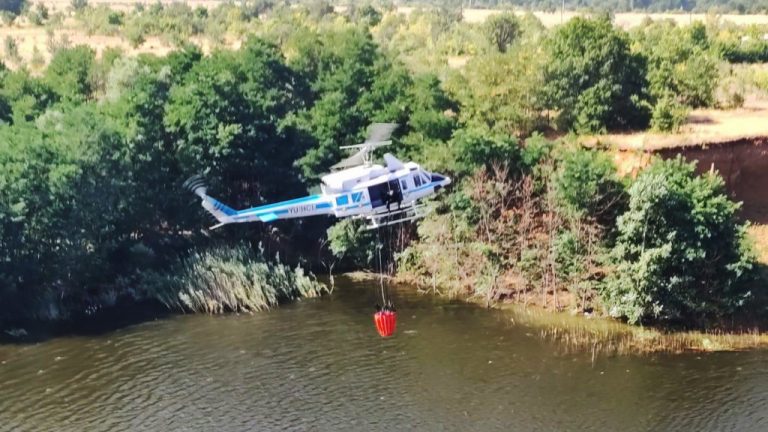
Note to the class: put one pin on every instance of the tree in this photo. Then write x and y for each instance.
(476, 148)
(593, 79)
(681, 65)
(502, 91)
(28, 96)
(227, 119)
(502, 30)
(62, 200)
(340, 67)
(70, 73)
(587, 187)
(680, 253)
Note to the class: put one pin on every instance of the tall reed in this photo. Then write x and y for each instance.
(236, 279)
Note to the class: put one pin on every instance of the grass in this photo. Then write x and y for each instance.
(232, 279)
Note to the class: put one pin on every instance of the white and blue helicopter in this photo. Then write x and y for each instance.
(356, 188)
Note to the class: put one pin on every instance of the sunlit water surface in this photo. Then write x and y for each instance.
(319, 365)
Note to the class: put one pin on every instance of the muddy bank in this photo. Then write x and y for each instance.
(743, 163)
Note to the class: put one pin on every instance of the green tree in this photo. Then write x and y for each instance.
(593, 79)
(586, 186)
(680, 253)
(502, 91)
(340, 68)
(226, 118)
(680, 63)
(62, 202)
(475, 148)
(502, 30)
(70, 73)
(28, 96)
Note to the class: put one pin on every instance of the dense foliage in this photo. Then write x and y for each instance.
(597, 82)
(94, 150)
(680, 255)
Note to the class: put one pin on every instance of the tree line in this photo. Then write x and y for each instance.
(93, 153)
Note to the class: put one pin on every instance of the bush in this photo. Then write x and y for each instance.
(11, 49)
(474, 148)
(668, 115)
(680, 253)
(348, 239)
(586, 185)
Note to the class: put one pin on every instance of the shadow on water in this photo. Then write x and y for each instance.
(123, 314)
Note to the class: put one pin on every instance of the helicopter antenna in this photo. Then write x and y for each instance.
(378, 136)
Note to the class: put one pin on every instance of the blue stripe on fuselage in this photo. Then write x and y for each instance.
(257, 211)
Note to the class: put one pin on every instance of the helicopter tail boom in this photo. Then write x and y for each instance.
(307, 206)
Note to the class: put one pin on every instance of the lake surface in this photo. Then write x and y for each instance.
(319, 365)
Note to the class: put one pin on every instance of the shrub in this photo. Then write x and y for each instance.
(348, 239)
(668, 115)
(586, 185)
(78, 5)
(474, 148)
(680, 253)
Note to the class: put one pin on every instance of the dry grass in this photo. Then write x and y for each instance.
(606, 336)
(31, 38)
(704, 126)
(758, 233)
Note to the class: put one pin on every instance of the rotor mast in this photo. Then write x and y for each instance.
(378, 135)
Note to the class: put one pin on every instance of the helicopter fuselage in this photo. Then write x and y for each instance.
(364, 191)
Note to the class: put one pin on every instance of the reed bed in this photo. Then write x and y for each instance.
(234, 279)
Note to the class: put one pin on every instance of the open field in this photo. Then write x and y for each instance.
(704, 126)
(549, 19)
(32, 39)
(624, 20)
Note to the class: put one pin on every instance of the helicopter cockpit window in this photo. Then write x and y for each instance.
(425, 177)
(417, 179)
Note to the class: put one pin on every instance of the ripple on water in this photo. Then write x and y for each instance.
(319, 365)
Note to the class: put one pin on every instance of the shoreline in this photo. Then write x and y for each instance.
(603, 335)
(571, 332)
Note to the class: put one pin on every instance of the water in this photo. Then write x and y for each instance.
(319, 365)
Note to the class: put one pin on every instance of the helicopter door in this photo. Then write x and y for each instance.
(385, 194)
(395, 193)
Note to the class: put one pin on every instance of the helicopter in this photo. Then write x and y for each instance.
(356, 188)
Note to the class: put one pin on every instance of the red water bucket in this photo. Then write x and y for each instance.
(385, 320)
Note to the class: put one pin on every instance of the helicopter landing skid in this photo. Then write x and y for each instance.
(396, 216)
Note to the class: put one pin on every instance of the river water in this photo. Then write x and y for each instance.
(319, 365)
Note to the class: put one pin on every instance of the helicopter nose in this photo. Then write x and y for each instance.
(443, 180)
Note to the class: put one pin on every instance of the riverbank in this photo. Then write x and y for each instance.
(217, 280)
(580, 332)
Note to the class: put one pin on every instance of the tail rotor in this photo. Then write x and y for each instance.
(196, 184)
